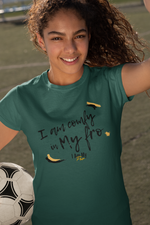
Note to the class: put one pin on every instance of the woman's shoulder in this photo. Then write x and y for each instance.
(28, 87)
(31, 84)
(109, 73)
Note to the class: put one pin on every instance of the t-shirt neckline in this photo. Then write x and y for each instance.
(65, 87)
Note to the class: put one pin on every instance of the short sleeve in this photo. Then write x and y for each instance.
(9, 110)
(113, 75)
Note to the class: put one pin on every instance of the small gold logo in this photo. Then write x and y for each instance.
(90, 103)
(79, 158)
(107, 134)
(93, 105)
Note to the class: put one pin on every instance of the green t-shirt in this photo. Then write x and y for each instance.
(74, 134)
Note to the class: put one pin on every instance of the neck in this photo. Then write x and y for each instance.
(64, 79)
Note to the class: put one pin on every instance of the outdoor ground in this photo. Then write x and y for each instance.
(19, 62)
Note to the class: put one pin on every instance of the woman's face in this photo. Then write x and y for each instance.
(66, 38)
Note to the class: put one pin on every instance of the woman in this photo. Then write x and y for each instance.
(71, 113)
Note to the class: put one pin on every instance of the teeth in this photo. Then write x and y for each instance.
(70, 60)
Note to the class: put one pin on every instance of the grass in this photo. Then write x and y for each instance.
(23, 53)
(17, 49)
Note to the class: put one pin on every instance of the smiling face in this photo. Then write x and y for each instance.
(66, 42)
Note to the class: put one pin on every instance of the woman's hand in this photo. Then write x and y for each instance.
(147, 4)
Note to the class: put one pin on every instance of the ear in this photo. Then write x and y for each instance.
(41, 41)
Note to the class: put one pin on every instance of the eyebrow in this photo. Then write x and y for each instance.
(63, 34)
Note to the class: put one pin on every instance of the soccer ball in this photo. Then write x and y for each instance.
(16, 194)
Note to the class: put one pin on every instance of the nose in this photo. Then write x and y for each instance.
(70, 46)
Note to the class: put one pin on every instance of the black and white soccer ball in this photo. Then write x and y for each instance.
(16, 194)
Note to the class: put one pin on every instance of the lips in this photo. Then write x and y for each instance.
(69, 59)
(70, 63)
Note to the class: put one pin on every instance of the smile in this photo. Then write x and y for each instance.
(69, 60)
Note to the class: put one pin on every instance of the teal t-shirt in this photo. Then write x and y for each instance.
(74, 134)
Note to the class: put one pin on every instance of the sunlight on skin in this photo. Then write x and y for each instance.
(147, 4)
(61, 41)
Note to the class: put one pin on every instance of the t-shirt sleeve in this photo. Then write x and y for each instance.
(9, 110)
(113, 76)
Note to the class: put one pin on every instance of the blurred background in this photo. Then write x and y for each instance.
(20, 61)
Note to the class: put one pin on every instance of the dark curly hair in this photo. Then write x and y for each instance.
(113, 40)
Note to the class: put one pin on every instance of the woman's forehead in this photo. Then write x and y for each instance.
(71, 13)
(64, 19)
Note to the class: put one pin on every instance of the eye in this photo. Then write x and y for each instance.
(80, 36)
(56, 38)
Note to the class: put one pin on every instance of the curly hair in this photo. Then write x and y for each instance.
(113, 40)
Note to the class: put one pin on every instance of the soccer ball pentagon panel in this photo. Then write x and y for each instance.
(16, 194)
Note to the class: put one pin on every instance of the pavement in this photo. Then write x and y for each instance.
(23, 17)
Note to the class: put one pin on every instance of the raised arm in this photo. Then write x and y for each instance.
(6, 135)
(136, 77)
(147, 4)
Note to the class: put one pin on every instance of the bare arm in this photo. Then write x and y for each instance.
(136, 77)
(6, 135)
(147, 4)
